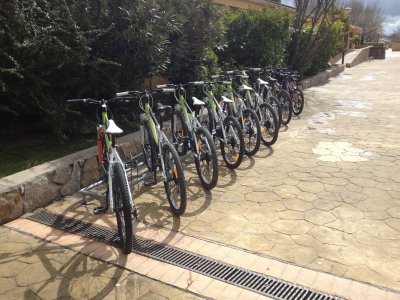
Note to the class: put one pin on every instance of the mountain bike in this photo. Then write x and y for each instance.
(118, 195)
(224, 128)
(268, 119)
(281, 94)
(189, 136)
(246, 116)
(159, 153)
(289, 83)
(263, 88)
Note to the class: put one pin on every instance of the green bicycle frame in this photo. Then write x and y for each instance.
(153, 129)
(211, 100)
(104, 119)
(181, 101)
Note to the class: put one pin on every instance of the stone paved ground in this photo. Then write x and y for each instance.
(326, 196)
(33, 269)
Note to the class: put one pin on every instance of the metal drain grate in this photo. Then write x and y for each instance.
(252, 281)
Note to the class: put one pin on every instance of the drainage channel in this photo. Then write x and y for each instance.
(259, 283)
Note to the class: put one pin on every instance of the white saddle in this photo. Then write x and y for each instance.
(245, 88)
(260, 81)
(113, 128)
(226, 100)
(197, 102)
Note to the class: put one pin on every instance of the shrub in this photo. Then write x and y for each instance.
(257, 38)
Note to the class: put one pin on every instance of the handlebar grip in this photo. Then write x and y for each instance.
(230, 72)
(198, 82)
(226, 82)
(122, 94)
(165, 90)
(78, 100)
(161, 86)
(256, 69)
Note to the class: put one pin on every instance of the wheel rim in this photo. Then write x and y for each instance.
(250, 133)
(268, 129)
(120, 213)
(233, 144)
(205, 164)
(172, 179)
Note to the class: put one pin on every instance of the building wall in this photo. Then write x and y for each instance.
(243, 4)
(395, 46)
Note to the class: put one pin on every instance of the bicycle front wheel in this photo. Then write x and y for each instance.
(297, 102)
(232, 145)
(123, 207)
(269, 124)
(206, 158)
(251, 132)
(174, 183)
(286, 106)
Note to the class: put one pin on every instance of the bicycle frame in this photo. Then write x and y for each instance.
(156, 132)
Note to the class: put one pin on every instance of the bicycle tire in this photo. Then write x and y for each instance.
(174, 174)
(206, 152)
(276, 105)
(297, 104)
(234, 139)
(149, 147)
(251, 129)
(208, 120)
(123, 207)
(269, 124)
(286, 106)
(181, 136)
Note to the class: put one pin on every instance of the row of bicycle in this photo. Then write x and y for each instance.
(251, 107)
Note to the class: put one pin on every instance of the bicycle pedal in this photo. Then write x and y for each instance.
(99, 210)
(135, 213)
(149, 182)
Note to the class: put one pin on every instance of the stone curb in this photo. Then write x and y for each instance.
(38, 186)
(323, 77)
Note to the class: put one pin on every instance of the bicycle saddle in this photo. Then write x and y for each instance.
(260, 81)
(113, 128)
(197, 102)
(245, 88)
(160, 108)
(226, 100)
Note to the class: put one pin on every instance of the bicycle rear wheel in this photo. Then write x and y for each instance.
(251, 132)
(269, 124)
(123, 207)
(286, 106)
(174, 184)
(206, 118)
(149, 147)
(206, 158)
(232, 152)
(276, 106)
(180, 135)
(297, 102)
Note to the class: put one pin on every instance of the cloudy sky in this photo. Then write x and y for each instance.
(391, 9)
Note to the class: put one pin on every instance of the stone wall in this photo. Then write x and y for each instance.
(396, 46)
(322, 77)
(377, 52)
(359, 58)
(36, 187)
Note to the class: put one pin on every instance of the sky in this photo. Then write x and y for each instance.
(390, 8)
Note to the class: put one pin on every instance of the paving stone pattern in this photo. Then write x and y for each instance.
(326, 196)
(60, 273)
